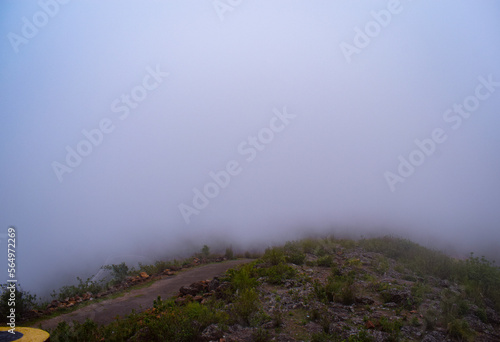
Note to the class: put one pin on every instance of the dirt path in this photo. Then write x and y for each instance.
(106, 311)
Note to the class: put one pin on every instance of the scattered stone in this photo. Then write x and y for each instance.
(364, 300)
(188, 290)
(53, 304)
(213, 284)
(444, 283)
(212, 333)
(434, 336)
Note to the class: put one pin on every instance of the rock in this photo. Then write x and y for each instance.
(369, 325)
(53, 304)
(212, 333)
(143, 275)
(398, 296)
(168, 272)
(200, 285)
(434, 336)
(213, 284)
(268, 325)
(364, 300)
(184, 300)
(475, 323)
(492, 316)
(198, 298)
(188, 290)
(444, 283)
(222, 289)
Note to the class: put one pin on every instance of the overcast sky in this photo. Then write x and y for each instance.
(131, 129)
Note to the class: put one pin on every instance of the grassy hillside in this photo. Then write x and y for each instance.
(382, 289)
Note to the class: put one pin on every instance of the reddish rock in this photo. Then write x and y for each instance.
(143, 275)
(53, 304)
(184, 300)
(188, 290)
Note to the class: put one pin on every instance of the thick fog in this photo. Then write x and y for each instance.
(132, 130)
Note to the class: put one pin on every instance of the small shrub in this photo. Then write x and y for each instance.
(83, 287)
(361, 336)
(205, 251)
(391, 327)
(381, 264)
(325, 261)
(319, 251)
(274, 256)
(118, 272)
(481, 314)
(459, 329)
(452, 306)
(158, 267)
(277, 317)
(261, 335)
(354, 262)
(246, 304)
(430, 319)
(24, 302)
(244, 278)
(400, 269)
(294, 254)
(79, 332)
(419, 291)
(229, 253)
(308, 245)
(339, 288)
(278, 274)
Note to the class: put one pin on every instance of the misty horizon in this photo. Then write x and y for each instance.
(136, 131)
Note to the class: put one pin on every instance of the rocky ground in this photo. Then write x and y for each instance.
(384, 302)
(382, 289)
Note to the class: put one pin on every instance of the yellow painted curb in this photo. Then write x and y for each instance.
(29, 334)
